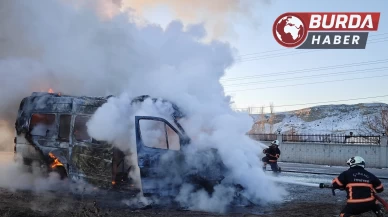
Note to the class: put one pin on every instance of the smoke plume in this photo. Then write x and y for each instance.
(87, 48)
(14, 177)
(218, 16)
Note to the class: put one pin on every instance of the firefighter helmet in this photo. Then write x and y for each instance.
(275, 142)
(356, 161)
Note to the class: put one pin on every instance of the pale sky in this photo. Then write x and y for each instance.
(269, 58)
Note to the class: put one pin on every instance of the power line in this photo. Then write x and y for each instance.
(311, 76)
(342, 100)
(310, 70)
(292, 51)
(270, 51)
(319, 82)
(386, 33)
(297, 52)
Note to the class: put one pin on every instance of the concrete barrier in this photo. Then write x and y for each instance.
(333, 154)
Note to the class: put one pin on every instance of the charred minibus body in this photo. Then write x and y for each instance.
(51, 130)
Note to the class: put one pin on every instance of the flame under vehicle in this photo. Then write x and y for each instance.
(51, 129)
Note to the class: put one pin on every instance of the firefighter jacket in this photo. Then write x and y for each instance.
(360, 185)
(272, 153)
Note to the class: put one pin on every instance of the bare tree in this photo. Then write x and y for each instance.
(377, 123)
(272, 108)
(262, 119)
(272, 116)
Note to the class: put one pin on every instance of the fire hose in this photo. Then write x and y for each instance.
(378, 198)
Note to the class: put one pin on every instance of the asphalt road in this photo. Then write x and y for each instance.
(326, 170)
(286, 167)
(300, 180)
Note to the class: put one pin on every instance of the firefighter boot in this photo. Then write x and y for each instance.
(379, 213)
(275, 167)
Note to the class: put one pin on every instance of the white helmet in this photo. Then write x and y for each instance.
(275, 142)
(356, 161)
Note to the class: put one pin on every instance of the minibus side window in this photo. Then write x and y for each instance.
(43, 125)
(64, 127)
(80, 129)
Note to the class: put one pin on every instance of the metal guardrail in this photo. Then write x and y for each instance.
(263, 137)
(319, 138)
(345, 139)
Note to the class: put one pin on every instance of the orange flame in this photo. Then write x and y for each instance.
(56, 162)
(52, 91)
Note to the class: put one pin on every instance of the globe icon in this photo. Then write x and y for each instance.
(290, 30)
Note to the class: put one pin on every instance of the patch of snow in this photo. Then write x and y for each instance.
(325, 119)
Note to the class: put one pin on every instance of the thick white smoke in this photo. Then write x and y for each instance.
(14, 176)
(68, 46)
(218, 16)
(210, 125)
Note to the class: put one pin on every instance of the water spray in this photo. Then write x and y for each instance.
(276, 179)
(298, 183)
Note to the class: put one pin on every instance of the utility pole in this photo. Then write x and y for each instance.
(272, 111)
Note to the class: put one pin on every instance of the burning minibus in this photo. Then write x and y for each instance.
(51, 130)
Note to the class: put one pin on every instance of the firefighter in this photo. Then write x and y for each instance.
(360, 186)
(272, 154)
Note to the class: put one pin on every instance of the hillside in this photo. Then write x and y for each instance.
(325, 119)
